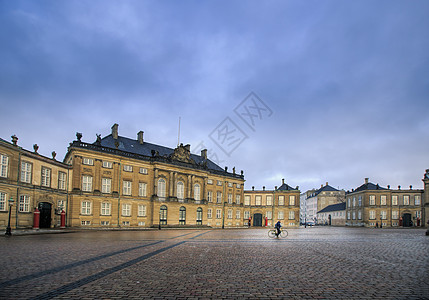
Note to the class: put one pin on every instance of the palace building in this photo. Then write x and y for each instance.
(265, 207)
(371, 205)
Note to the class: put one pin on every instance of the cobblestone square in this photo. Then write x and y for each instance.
(311, 263)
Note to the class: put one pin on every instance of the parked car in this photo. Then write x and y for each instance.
(311, 223)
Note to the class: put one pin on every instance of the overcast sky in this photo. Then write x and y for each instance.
(335, 91)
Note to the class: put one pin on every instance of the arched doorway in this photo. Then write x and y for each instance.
(406, 220)
(257, 220)
(45, 209)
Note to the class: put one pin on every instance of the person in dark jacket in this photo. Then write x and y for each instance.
(277, 227)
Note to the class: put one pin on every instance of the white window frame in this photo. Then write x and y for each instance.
(372, 200)
(269, 200)
(86, 183)
(107, 164)
(197, 192)
(218, 197)
(291, 215)
(237, 214)
(383, 200)
(383, 215)
(269, 215)
(237, 199)
(143, 170)
(128, 168)
(417, 200)
(126, 210)
(247, 200)
(360, 200)
(26, 171)
(142, 189)
(394, 199)
(62, 180)
(230, 212)
(359, 215)
(126, 187)
(209, 213)
(395, 214)
(209, 196)
(141, 212)
(229, 198)
(406, 200)
(4, 165)
(372, 214)
(218, 213)
(219, 183)
(161, 187)
(87, 161)
(3, 201)
(282, 200)
(258, 200)
(180, 190)
(106, 185)
(280, 215)
(292, 200)
(209, 181)
(45, 179)
(106, 209)
(85, 207)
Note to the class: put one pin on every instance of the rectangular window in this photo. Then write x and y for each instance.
(237, 214)
(354, 215)
(24, 203)
(349, 202)
(406, 200)
(26, 172)
(86, 208)
(371, 199)
(105, 209)
(104, 223)
(229, 213)
(230, 198)
(126, 210)
(128, 168)
(143, 171)
(238, 185)
(209, 181)
(281, 200)
(247, 200)
(88, 161)
(348, 215)
(106, 185)
(142, 189)
(62, 180)
(269, 215)
(395, 214)
(141, 210)
(359, 215)
(107, 164)
(281, 215)
(219, 182)
(383, 200)
(218, 213)
(360, 201)
(229, 184)
(85, 223)
(383, 215)
(141, 223)
(354, 201)
(372, 214)
(292, 200)
(4, 162)
(2, 202)
(246, 215)
(258, 200)
(418, 214)
(126, 188)
(86, 183)
(209, 213)
(126, 223)
(291, 215)
(417, 200)
(395, 200)
(219, 197)
(62, 204)
(210, 196)
(269, 200)
(46, 177)
(237, 199)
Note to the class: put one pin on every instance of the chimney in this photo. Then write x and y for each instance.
(411, 187)
(226, 169)
(275, 187)
(399, 187)
(204, 154)
(388, 186)
(253, 187)
(115, 131)
(366, 180)
(283, 181)
(263, 188)
(326, 183)
(188, 147)
(140, 137)
(14, 140)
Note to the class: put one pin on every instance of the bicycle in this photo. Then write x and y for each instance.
(272, 233)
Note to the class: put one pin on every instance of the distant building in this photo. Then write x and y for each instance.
(334, 215)
(269, 206)
(320, 199)
(303, 205)
(371, 205)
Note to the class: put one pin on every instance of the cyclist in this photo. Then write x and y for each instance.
(277, 227)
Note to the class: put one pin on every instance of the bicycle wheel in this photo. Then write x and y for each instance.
(283, 233)
(272, 233)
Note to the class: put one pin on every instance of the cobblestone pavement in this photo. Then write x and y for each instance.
(311, 263)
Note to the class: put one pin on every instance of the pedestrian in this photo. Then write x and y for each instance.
(376, 224)
(249, 221)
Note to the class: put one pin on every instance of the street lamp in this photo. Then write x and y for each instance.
(8, 229)
(381, 220)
